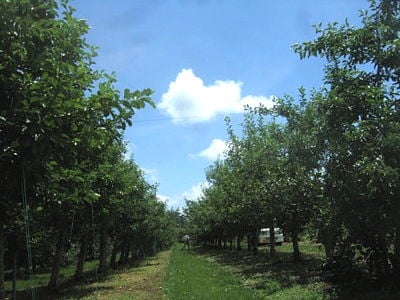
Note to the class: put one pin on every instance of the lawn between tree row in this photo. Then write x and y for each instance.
(203, 273)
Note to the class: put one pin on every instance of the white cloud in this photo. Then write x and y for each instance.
(214, 151)
(196, 191)
(178, 201)
(165, 199)
(172, 202)
(189, 100)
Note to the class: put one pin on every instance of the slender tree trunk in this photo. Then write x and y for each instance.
(133, 251)
(14, 276)
(82, 255)
(238, 243)
(383, 255)
(254, 242)
(55, 271)
(219, 245)
(396, 256)
(103, 252)
(295, 244)
(295, 238)
(121, 257)
(328, 246)
(2, 250)
(272, 250)
(12, 242)
(126, 253)
(113, 258)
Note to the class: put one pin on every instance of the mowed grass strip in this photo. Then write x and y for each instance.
(142, 282)
(276, 278)
(190, 276)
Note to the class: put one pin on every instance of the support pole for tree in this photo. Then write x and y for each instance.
(27, 231)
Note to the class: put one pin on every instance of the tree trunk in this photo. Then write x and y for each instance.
(14, 275)
(396, 256)
(125, 253)
(103, 252)
(295, 238)
(328, 246)
(82, 255)
(55, 270)
(296, 249)
(12, 242)
(121, 257)
(272, 250)
(2, 250)
(248, 241)
(254, 242)
(113, 258)
(238, 243)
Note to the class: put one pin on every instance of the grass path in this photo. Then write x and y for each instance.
(190, 276)
(216, 275)
(141, 282)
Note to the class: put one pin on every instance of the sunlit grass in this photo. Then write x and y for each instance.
(305, 247)
(275, 278)
(190, 276)
(141, 280)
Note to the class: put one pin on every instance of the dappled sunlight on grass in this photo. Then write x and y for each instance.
(275, 275)
(139, 280)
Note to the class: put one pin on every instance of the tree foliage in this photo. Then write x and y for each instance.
(61, 138)
(330, 161)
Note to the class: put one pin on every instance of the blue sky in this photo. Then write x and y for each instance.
(204, 59)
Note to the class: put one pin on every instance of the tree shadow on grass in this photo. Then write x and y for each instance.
(74, 292)
(91, 282)
(262, 267)
(273, 274)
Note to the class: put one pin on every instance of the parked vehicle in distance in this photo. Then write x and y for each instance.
(264, 236)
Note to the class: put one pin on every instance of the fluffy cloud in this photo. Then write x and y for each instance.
(178, 201)
(196, 191)
(214, 151)
(166, 199)
(189, 100)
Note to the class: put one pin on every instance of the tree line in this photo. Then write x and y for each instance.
(327, 162)
(66, 185)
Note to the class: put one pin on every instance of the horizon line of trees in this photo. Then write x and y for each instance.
(328, 162)
(66, 187)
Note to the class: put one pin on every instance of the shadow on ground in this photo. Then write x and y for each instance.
(273, 274)
(91, 283)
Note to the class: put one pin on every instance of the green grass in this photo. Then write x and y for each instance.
(307, 248)
(42, 278)
(190, 276)
(278, 278)
(141, 280)
(215, 274)
(281, 278)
